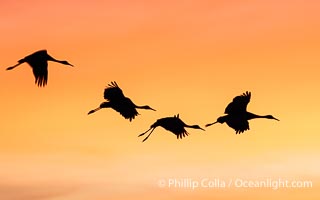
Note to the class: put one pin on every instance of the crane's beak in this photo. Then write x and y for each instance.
(9, 68)
(211, 124)
(91, 111)
(276, 119)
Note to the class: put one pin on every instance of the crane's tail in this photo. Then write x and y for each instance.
(210, 124)
(152, 129)
(92, 111)
(12, 67)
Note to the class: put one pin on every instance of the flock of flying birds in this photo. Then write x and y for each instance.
(236, 112)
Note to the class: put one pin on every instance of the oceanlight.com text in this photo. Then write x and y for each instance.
(217, 183)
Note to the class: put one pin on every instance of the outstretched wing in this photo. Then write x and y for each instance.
(39, 65)
(126, 108)
(182, 134)
(239, 125)
(173, 124)
(239, 104)
(40, 72)
(113, 92)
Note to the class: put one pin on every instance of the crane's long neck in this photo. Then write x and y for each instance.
(141, 107)
(190, 126)
(193, 126)
(16, 65)
(102, 105)
(254, 116)
(58, 61)
(105, 104)
(49, 58)
(145, 107)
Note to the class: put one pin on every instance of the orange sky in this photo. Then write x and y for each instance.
(187, 57)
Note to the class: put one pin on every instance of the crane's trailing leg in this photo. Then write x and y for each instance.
(147, 132)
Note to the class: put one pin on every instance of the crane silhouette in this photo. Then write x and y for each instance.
(118, 102)
(38, 61)
(237, 115)
(173, 124)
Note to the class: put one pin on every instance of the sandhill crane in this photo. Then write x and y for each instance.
(173, 124)
(118, 102)
(38, 61)
(237, 116)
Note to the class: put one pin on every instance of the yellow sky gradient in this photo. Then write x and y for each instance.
(186, 57)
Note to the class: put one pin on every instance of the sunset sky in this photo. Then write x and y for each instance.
(187, 57)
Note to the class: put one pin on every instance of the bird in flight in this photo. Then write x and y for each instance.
(117, 101)
(38, 61)
(237, 115)
(173, 124)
